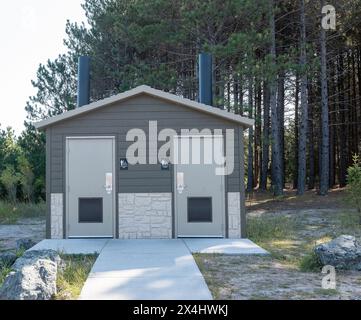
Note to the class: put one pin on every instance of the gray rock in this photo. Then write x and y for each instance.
(7, 258)
(24, 244)
(33, 255)
(33, 277)
(343, 252)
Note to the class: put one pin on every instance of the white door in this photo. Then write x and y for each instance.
(199, 192)
(90, 186)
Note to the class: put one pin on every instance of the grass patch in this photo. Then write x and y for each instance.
(10, 213)
(349, 220)
(71, 278)
(262, 229)
(19, 252)
(201, 260)
(280, 236)
(276, 235)
(4, 271)
(310, 263)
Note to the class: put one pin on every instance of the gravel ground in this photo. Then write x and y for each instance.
(33, 228)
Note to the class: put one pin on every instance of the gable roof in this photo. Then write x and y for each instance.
(246, 122)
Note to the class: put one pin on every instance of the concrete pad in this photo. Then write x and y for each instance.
(72, 246)
(145, 269)
(147, 246)
(224, 246)
(135, 265)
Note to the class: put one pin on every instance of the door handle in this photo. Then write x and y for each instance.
(108, 182)
(180, 182)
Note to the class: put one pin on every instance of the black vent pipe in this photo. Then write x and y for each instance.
(205, 79)
(83, 81)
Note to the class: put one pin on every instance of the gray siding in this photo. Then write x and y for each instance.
(48, 188)
(117, 120)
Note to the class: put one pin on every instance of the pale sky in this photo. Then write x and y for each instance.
(31, 31)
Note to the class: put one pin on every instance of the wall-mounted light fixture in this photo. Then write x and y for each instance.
(123, 164)
(164, 164)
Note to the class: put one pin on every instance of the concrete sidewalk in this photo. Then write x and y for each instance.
(145, 270)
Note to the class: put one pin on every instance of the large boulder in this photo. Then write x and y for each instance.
(33, 277)
(343, 252)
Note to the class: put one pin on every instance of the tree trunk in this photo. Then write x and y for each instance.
(333, 135)
(236, 94)
(250, 136)
(359, 95)
(311, 140)
(276, 150)
(301, 186)
(295, 159)
(241, 97)
(355, 135)
(342, 123)
(265, 136)
(325, 135)
(281, 118)
(258, 132)
(229, 95)
(349, 108)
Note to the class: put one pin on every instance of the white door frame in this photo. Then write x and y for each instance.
(67, 189)
(175, 191)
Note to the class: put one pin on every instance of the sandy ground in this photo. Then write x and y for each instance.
(277, 276)
(252, 277)
(33, 228)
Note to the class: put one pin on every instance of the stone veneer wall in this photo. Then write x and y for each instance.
(145, 215)
(56, 215)
(234, 215)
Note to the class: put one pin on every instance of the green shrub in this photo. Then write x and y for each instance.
(354, 185)
(26, 178)
(10, 179)
(310, 263)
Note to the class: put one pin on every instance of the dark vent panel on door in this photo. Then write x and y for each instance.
(200, 209)
(90, 210)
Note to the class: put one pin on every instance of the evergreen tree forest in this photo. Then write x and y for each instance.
(272, 61)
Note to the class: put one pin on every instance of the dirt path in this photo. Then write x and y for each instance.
(33, 228)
